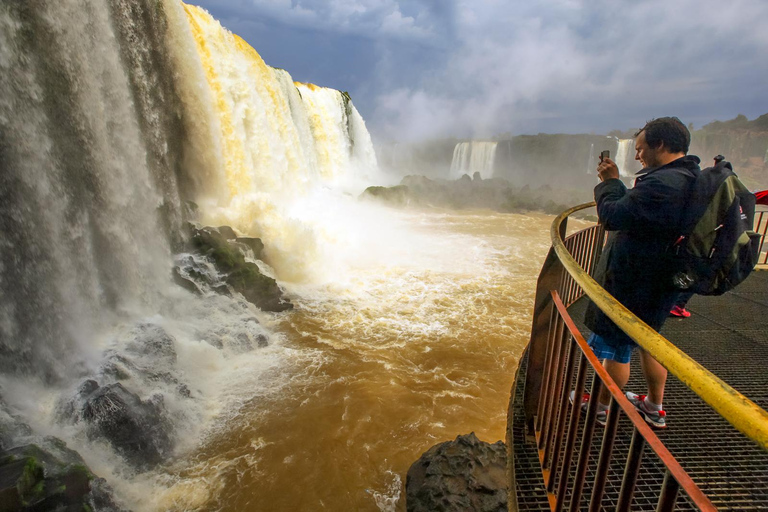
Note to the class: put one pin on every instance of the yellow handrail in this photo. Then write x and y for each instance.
(740, 411)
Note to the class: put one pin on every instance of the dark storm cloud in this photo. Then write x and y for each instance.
(480, 67)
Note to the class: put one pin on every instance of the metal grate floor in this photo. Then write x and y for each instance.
(729, 336)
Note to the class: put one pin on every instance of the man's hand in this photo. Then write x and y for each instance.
(607, 169)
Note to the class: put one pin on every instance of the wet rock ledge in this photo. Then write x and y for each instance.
(227, 251)
(460, 475)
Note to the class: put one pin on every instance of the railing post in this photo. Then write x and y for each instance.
(668, 496)
(586, 444)
(561, 416)
(553, 318)
(634, 459)
(537, 351)
(581, 378)
(606, 450)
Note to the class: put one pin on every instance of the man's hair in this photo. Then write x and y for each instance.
(669, 130)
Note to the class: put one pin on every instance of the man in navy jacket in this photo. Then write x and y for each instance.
(635, 267)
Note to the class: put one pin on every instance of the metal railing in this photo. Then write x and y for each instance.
(558, 356)
(761, 227)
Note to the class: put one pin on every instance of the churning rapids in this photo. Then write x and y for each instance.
(121, 122)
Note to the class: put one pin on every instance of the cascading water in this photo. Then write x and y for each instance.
(625, 157)
(88, 173)
(121, 121)
(472, 157)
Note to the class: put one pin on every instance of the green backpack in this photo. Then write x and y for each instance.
(718, 248)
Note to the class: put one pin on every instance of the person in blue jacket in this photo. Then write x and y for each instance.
(635, 266)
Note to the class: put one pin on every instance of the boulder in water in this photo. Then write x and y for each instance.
(398, 195)
(464, 474)
(152, 342)
(258, 288)
(227, 232)
(254, 244)
(242, 276)
(50, 476)
(185, 282)
(136, 429)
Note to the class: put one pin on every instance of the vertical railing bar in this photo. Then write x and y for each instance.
(554, 342)
(553, 314)
(557, 354)
(574, 252)
(586, 444)
(669, 491)
(556, 392)
(631, 470)
(606, 450)
(591, 250)
(581, 378)
(562, 413)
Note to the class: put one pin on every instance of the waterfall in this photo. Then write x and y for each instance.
(280, 141)
(118, 120)
(625, 157)
(472, 157)
(591, 164)
(89, 153)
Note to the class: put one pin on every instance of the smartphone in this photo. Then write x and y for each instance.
(605, 154)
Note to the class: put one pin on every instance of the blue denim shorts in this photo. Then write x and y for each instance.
(620, 352)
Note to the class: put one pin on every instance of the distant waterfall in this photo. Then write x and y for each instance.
(591, 164)
(472, 157)
(625, 157)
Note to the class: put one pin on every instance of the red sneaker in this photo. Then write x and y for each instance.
(679, 312)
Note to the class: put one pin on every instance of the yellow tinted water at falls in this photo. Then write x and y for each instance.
(408, 324)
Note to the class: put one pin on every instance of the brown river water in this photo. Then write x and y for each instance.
(413, 348)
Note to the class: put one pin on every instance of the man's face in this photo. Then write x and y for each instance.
(648, 157)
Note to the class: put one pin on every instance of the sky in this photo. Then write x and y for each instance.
(425, 69)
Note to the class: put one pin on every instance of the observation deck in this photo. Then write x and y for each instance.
(712, 456)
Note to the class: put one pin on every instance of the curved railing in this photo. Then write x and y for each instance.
(740, 411)
(558, 360)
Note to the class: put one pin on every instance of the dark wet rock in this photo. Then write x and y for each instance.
(222, 289)
(465, 179)
(242, 276)
(117, 367)
(257, 288)
(185, 282)
(136, 429)
(254, 244)
(184, 391)
(11, 427)
(227, 232)
(460, 475)
(50, 476)
(477, 177)
(152, 342)
(243, 337)
(189, 210)
(398, 195)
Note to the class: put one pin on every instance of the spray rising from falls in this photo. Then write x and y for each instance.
(472, 157)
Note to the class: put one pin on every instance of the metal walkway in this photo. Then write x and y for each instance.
(729, 336)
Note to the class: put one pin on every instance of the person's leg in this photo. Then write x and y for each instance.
(655, 377)
(619, 372)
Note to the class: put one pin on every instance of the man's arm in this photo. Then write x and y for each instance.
(653, 203)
